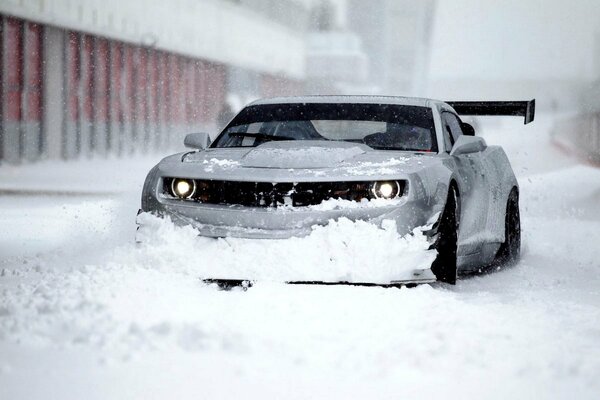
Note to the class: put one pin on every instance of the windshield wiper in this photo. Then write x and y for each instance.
(260, 136)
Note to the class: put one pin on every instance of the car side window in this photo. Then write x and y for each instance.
(448, 139)
(453, 124)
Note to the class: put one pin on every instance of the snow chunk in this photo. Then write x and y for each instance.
(209, 165)
(344, 250)
(341, 204)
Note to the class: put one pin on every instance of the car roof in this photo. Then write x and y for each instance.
(347, 99)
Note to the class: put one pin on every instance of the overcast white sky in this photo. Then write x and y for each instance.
(514, 39)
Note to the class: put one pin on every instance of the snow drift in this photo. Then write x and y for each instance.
(343, 251)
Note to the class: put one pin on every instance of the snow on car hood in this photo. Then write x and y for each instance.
(284, 155)
(301, 155)
(318, 160)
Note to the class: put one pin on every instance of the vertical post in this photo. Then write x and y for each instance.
(54, 86)
(142, 99)
(127, 100)
(12, 88)
(596, 117)
(86, 89)
(173, 80)
(181, 106)
(71, 120)
(189, 86)
(100, 86)
(198, 101)
(1, 88)
(203, 94)
(185, 84)
(164, 99)
(152, 96)
(139, 84)
(31, 140)
(216, 91)
(206, 95)
(115, 110)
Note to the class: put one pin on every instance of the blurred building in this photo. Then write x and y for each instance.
(295, 14)
(85, 77)
(335, 63)
(580, 133)
(396, 37)
(244, 84)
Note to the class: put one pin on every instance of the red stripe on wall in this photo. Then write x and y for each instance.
(215, 91)
(114, 92)
(13, 69)
(173, 77)
(72, 71)
(198, 88)
(33, 78)
(1, 82)
(101, 81)
(188, 85)
(163, 90)
(141, 69)
(127, 79)
(116, 87)
(86, 81)
(153, 87)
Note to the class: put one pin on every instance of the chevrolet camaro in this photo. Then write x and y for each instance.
(410, 160)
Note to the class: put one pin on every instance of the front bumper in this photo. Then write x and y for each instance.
(280, 223)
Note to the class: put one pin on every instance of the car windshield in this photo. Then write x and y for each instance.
(380, 126)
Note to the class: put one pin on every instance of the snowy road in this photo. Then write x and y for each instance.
(84, 313)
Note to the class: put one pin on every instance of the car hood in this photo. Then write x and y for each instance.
(285, 155)
(298, 161)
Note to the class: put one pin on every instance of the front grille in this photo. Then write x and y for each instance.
(267, 194)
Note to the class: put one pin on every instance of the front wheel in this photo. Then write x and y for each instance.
(445, 266)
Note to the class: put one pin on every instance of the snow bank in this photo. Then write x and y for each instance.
(341, 251)
(122, 301)
(87, 176)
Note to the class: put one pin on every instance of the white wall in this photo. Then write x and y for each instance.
(208, 29)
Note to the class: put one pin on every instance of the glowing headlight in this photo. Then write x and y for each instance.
(183, 188)
(386, 189)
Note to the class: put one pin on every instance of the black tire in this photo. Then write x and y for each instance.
(510, 251)
(445, 267)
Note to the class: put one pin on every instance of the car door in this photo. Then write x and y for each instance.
(473, 186)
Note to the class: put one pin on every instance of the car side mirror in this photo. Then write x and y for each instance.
(467, 129)
(467, 145)
(198, 141)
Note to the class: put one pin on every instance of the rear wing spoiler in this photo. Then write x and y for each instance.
(517, 108)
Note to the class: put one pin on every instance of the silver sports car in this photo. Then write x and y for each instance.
(410, 160)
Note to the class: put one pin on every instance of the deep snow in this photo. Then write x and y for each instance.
(343, 250)
(86, 313)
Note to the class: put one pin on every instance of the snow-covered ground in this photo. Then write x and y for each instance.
(85, 313)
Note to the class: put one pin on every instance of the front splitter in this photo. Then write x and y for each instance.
(245, 284)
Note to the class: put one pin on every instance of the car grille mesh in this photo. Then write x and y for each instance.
(268, 194)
